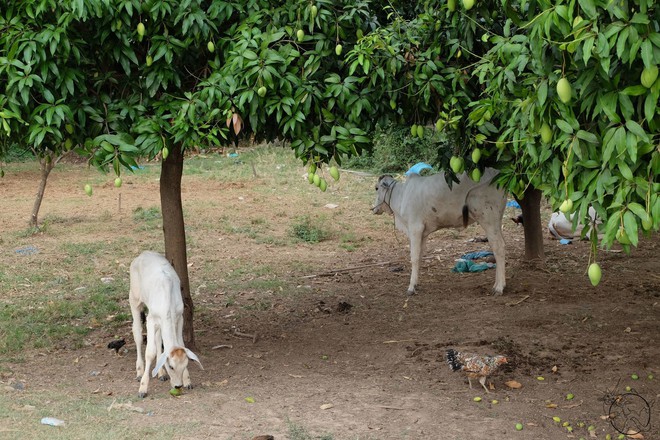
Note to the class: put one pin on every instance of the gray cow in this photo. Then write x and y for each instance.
(422, 205)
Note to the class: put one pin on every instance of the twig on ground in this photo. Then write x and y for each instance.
(221, 346)
(517, 302)
(252, 336)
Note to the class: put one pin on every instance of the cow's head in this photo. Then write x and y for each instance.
(175, 362)
(383, 195)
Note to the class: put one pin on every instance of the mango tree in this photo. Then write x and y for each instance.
(122, 79)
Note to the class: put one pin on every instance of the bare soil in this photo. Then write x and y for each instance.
(348, 355)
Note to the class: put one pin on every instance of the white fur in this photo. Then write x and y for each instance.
(561, 227)
(155, 284)
(422, 205)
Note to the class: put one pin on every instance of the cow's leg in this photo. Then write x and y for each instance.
(416, 251)
(493, 229)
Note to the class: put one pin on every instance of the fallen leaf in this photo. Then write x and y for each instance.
(327, 406)
(551, 405)
(513, 384)
(554, 369)
(634, 434)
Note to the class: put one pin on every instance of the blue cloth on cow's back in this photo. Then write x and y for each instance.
(418, 168)
(463, 266)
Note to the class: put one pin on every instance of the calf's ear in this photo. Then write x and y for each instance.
(161, 361)
(194, 357)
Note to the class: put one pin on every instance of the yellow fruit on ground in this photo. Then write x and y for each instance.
(88, 189)
(564, 90)
(595, 274)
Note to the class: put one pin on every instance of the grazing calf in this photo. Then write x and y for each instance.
(422, 205)
(155, 284)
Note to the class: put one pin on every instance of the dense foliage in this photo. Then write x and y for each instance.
(122, 79)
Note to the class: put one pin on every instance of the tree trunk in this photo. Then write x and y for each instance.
(175, 234)
(46, 165)
(531, 210)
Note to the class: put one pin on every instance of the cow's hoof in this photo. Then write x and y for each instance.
(164, 378)
(142, 395)
(412, 292)
(496, 292)
(189, 386)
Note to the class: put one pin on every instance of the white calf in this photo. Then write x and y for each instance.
(155, 284)
(422, 205)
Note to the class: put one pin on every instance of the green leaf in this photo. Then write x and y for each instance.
(634, 127)
(564, 126)
(650, 104)
(589, 7)
(630, 225)
(647, 54)
(543, 92)
(637, 209)
(588, 137)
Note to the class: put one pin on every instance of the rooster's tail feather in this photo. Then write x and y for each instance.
(452, 360)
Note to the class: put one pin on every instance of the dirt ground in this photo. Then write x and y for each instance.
(348, 355)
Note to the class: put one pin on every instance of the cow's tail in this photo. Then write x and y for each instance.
(466, 215)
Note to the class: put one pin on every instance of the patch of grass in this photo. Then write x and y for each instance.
(297, 432)
(85, 417)
(48, 321)
(308, 231)
(146, 215)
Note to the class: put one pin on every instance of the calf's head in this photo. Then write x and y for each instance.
(175, 362)
(383, 195)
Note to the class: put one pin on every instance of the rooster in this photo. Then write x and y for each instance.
(474, 365)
